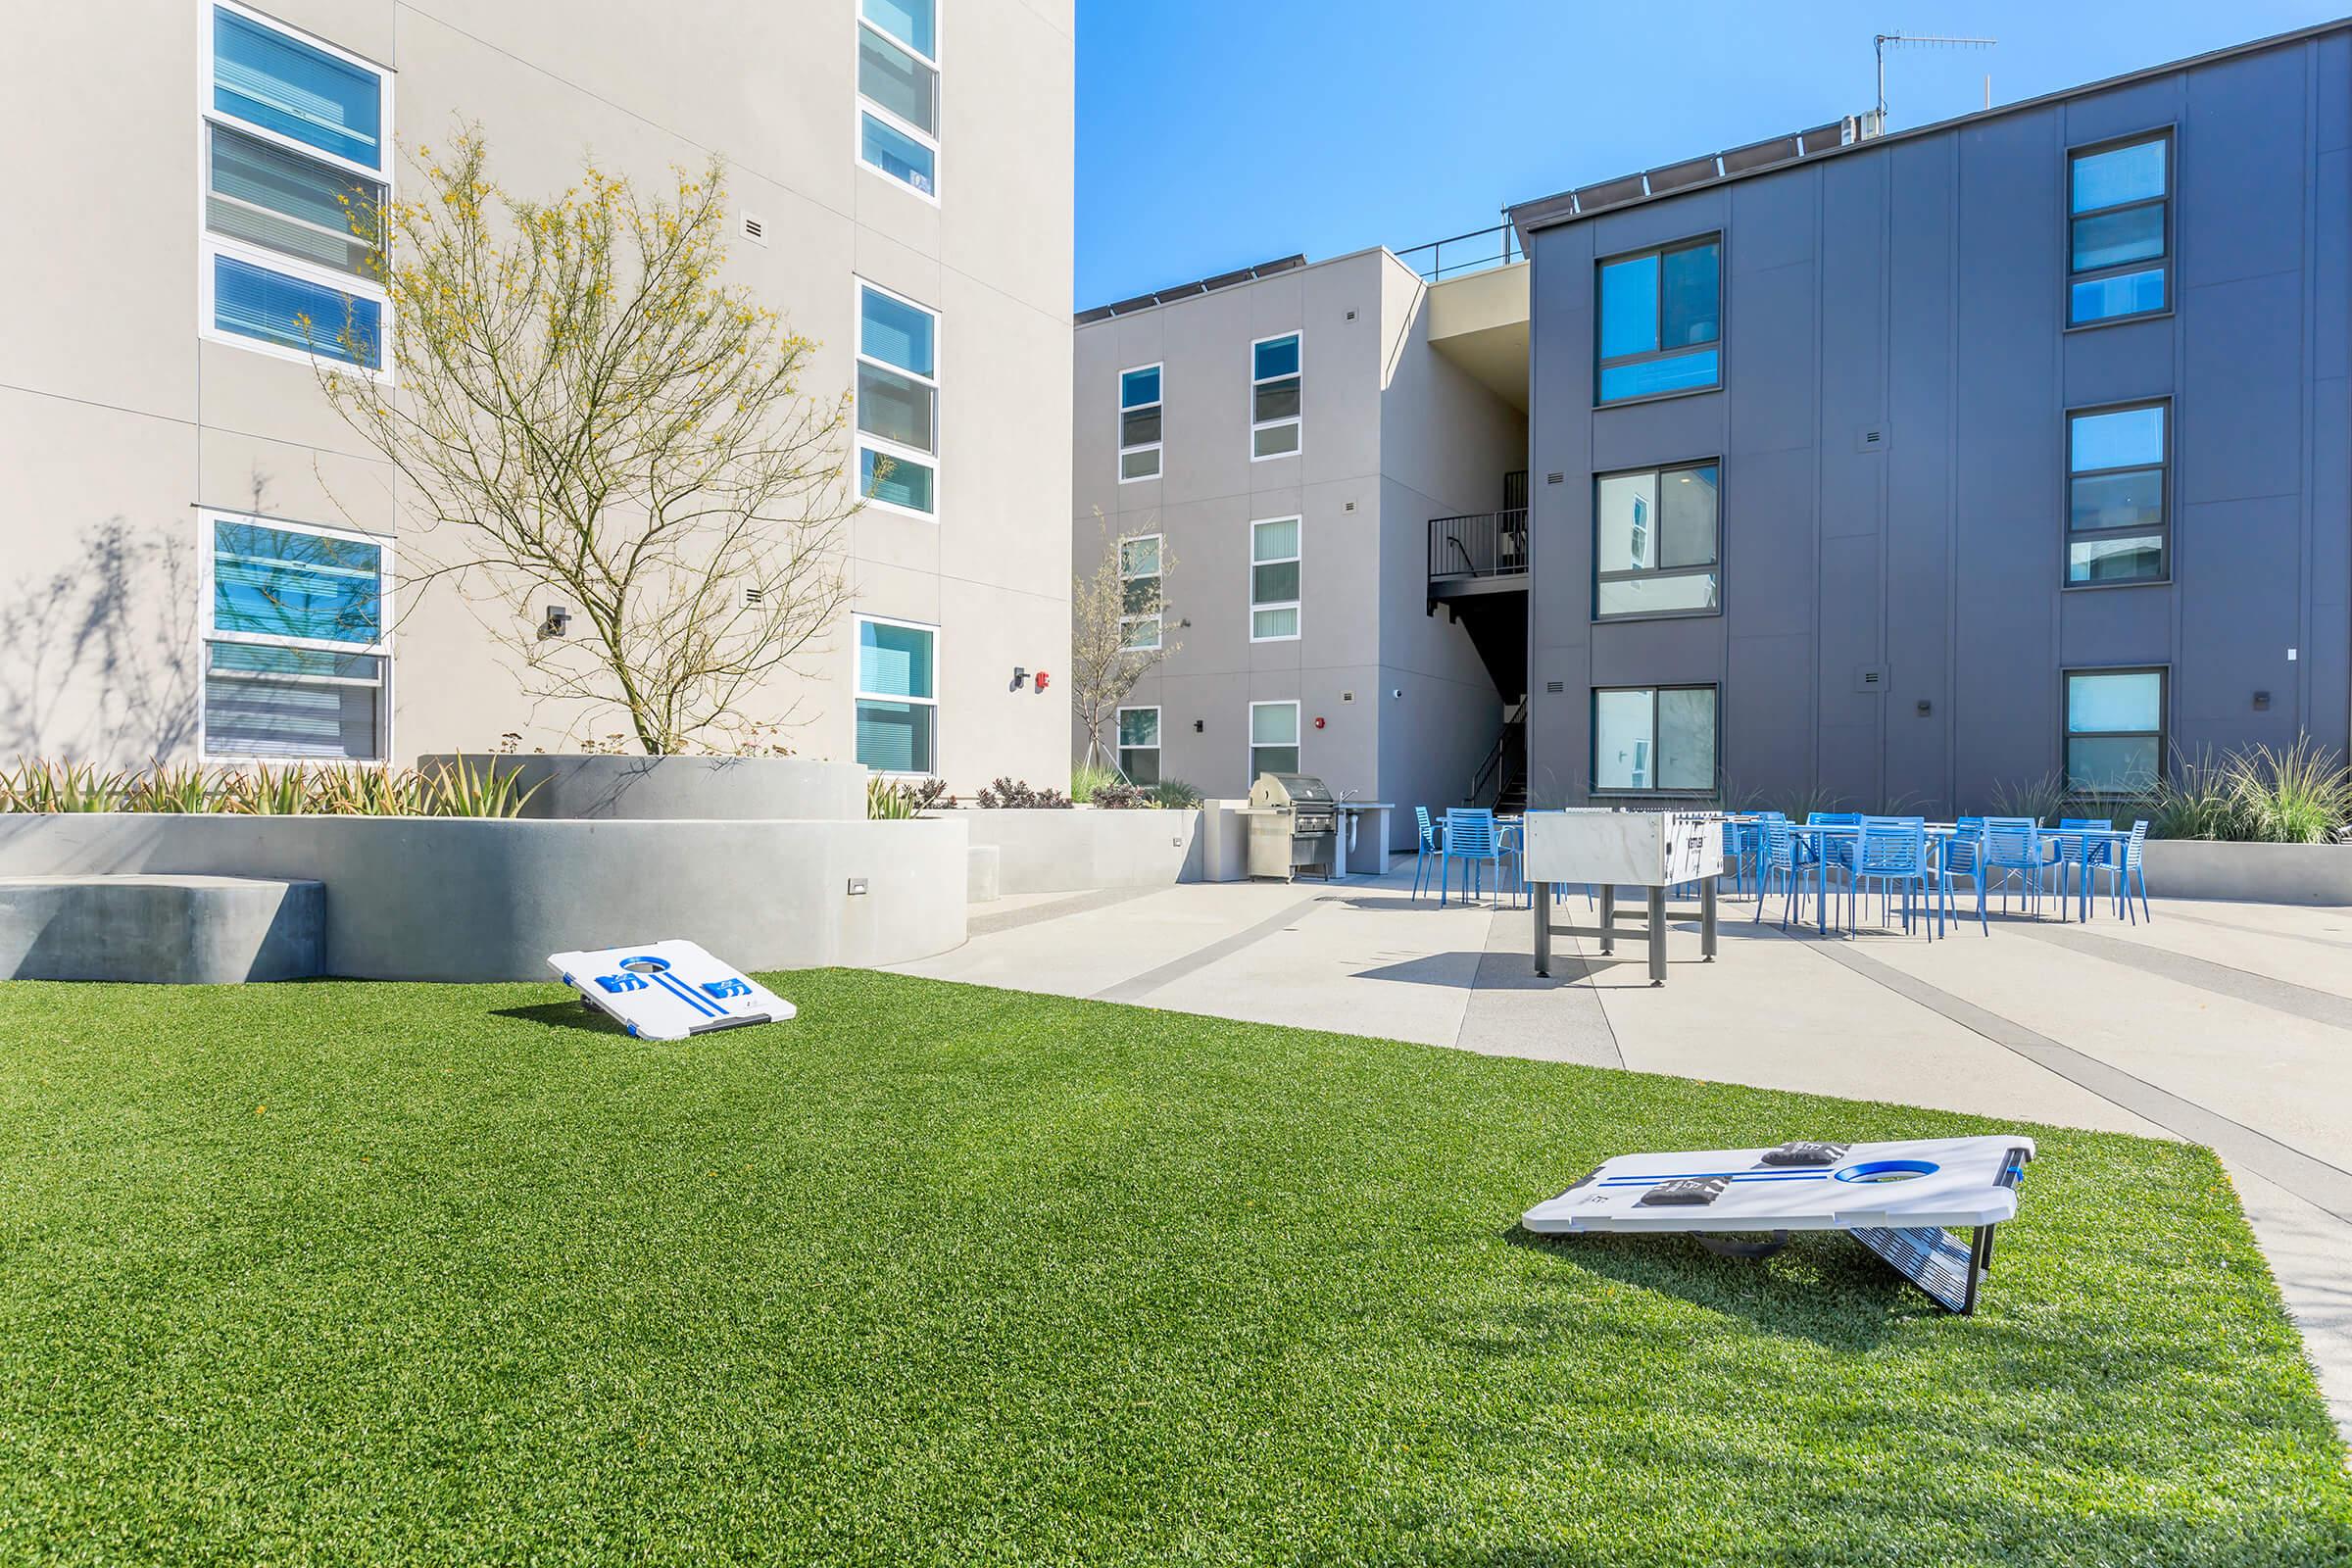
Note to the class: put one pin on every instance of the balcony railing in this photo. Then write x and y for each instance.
(1479, 544)
(1473, 252)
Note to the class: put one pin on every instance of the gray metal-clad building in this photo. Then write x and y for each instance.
(1905, 468)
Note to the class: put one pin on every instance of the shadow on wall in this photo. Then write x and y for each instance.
(98, 659)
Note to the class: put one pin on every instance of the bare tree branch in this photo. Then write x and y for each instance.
(1105, 608)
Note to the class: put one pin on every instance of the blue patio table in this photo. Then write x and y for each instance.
(1814, 837)
(2073, 848)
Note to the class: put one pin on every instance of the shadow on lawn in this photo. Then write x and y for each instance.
(1823, 1287)
(573, 1015)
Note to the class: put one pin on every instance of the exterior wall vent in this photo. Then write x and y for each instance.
(755, 228)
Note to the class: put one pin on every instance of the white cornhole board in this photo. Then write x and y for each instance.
(668, 990)
(1896, 1198)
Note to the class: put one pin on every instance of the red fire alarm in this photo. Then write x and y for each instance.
(1318, 721)
(1042, 679)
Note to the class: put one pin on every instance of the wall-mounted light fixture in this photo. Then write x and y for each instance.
(556, 623)
(1020, 677)
(1926, 707)
(2262, 701)
(1198, 726)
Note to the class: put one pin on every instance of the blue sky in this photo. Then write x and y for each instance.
(1215, 133)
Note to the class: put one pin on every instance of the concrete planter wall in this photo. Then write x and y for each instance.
(1076, 851)
(2268, 874)
(716, 789)
(459, 898)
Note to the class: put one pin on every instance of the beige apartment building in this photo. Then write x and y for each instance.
(1328, 460)
(901, 179)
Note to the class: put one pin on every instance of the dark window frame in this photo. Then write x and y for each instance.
(2164, 499)
(1661, 252)
(2067, 734)
(1593, 785)
(1715, 567)
(2073, 156)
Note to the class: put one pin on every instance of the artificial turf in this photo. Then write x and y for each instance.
(347, 1273)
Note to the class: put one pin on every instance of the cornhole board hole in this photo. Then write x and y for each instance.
(1900, 1200)
(668, 990)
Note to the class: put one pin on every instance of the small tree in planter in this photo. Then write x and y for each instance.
(1116, 637)
(584, 414)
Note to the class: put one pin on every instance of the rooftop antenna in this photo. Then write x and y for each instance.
(1880, 43)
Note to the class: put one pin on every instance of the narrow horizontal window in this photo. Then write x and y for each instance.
(270, 78)
(898, 155)
(912, 23)
(267, 196)
(296, 313)
(889, 77)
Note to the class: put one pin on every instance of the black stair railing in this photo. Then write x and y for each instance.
(1479, 544)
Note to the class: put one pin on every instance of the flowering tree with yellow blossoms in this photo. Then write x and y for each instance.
(584, 414)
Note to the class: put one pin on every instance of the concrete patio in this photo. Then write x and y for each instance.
(2230, 1024)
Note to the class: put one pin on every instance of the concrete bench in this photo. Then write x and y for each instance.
(164, 930)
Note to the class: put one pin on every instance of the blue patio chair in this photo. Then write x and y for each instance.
(1963, 855)
(1892, 851)
(2128, 868)
(2101, 853)
(1470, 836)
(1428, 848)
(2013, 847)
(1779, 859)
(1836, 849)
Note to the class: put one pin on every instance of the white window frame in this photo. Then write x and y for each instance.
(859, 694)
(1158, 447)
(882, 444)
(1298, 730)
(1118, 743)
(1298, 421)
(208, 519)
(1297, 614)
(863, 106)
(1157, 620)
(210, 245)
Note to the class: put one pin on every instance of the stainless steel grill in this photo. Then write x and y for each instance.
(1294, 826)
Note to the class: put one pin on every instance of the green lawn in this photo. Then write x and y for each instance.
(367, 1273)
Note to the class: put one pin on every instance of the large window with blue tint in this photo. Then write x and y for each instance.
(1659, 320)
(2118, 230)
(2117, 529)
(297, 642)
(2114, 730)
(1274, 386)
(897, 90)
(898, 402)
(1139, 423)
(295, 148)
(897, 696)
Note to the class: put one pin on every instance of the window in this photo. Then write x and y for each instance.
(2115, 495)
(2114, 731)
(2116, 195)
(1274, 580)
(1139, 745)
(1274, 397)
(294, 136)
(898, 91)
(1138, 593)
(1661, 322)
(897, 696)
(898, 402)
(1656, 542)
(297, 642)
(1139, 423)
(1273, 738)
(1658, 738)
